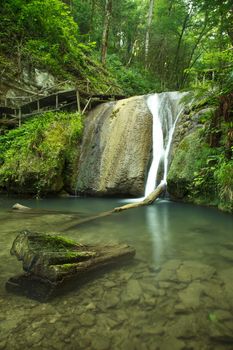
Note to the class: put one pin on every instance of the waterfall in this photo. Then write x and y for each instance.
(165, 109)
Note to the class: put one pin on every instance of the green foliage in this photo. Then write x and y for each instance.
(202, 174)
(131, 79)
(36, 154)
(224, 178)
(43, 33)
(213, 182)
(204, 182)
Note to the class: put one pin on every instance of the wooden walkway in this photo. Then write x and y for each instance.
(68, 100)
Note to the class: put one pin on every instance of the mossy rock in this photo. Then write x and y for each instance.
(189, 157)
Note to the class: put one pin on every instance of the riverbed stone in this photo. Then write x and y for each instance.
(190, 297)
(133, 292)
(109, 284)
(168, 270)
(121, 316)
(87, 320)
(164, 285)
(100, 342)
(172, 343)
(227, 254)
(182, 309)
(226, 277)
(228, 245)
(90, 306)
(3, 344)
(125, 276)
(156, 329)
(223, 315)
(34, 337)
(184, 327)
(150, 288)
(220, 333)
(149, 301)
(193, 270)
(111, 299)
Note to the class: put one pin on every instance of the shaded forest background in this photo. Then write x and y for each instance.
(149, 45)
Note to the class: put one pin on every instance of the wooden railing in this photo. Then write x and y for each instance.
(63, 100)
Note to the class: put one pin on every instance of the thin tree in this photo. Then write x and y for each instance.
(107, 19)
(149, 21)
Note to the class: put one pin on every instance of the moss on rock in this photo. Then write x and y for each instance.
(187, 159)
(40, 157)
(201, 174)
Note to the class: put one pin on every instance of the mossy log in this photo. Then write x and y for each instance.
(50, 261)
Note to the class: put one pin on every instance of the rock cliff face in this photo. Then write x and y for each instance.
(116, 149)
(186, 154)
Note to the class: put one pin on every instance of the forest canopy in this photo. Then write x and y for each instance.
(145, 45)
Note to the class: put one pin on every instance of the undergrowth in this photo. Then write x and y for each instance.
(35, 156)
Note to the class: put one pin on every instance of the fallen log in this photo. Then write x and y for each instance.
(147, 201)
(51, 261)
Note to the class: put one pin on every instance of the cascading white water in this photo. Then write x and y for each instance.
(165, 109)
(157, 132)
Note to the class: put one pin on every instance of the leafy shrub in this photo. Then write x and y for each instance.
(33, 157)
(224, 178)
(132, 79)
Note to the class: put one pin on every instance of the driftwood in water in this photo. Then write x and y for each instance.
(51, 261)
(72, 224)
(147, 201)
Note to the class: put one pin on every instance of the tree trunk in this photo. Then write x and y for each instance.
(147, 201)
(177, 55)
(107, 17)
(191, 61)
(149, 21)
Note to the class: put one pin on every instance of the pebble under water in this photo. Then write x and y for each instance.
(176, 295)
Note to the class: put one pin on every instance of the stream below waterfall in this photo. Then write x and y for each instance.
(176, 295)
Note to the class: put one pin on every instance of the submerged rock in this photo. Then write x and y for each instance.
(227, 254)
(49, 260)
(18, 206)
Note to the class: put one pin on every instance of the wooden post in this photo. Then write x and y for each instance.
(38, 106)
(57, 101)
(20, 116)
(88, 102)
(78, 101)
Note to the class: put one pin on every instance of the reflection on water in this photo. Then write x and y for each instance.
(178, 294)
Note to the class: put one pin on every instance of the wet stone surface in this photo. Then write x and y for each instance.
(182, 305)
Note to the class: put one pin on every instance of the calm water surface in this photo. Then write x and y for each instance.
(176, 295)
